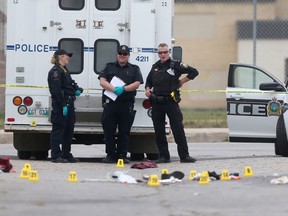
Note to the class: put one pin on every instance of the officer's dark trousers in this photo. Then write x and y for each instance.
(117, 114)
(62, 130)
(159, 110)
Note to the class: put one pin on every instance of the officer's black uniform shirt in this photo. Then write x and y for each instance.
(61, 84)
(129, 73)
(164, 77)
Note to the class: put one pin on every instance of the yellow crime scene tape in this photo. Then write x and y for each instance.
(20, 86)
(229, 91)
(184, 91)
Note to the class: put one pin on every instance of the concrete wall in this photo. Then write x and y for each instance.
(281, 8)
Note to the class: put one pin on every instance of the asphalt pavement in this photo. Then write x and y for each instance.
(97, 193)
(193, 135)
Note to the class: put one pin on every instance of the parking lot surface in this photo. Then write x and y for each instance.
(97, 193)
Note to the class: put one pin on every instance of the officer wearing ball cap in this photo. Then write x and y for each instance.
(63, 90)
(123, 48)
(62, 52)
(119, 113)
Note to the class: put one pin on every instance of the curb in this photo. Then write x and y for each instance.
(198, 135)
(6, 137)
(192, 134)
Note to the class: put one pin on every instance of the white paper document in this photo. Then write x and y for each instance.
(116, 81)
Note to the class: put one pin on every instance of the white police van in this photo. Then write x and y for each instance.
(92, 30)
(257, 107)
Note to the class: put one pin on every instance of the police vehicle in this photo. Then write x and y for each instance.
(257, 107)
(92, 30)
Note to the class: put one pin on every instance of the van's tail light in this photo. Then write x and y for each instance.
(28, 101)
(17, 101)
(22, 110)
(10, 119)
(146, 104)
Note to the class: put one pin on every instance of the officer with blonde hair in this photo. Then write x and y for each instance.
(63, 90)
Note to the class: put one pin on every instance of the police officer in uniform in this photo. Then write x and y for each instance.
(162, 88)
(121, 111)
(63, 90)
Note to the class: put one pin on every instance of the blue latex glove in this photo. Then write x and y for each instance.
(118, 90)
(77, 92)
(65, 111)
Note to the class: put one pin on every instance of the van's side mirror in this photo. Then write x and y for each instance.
(177, 53)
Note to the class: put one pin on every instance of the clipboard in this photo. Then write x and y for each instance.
(116, 81)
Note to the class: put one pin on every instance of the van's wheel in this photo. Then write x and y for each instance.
(25, 155)
(41, 155)
(152, 156)
(136, 156)
(281, 144)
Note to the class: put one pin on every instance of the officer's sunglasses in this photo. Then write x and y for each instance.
(123, 53)
(164, 52)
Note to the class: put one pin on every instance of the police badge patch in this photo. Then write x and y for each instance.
(55, 74)
(183, 65)
(274, 107)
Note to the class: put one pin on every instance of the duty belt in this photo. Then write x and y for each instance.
(108, 100)
(159, 98)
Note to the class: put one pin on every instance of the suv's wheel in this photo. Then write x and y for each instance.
(277, 152)
(281, 144)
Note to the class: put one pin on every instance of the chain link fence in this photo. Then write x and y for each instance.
(214, 33)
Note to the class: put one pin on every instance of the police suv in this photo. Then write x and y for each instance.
(257, 107)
